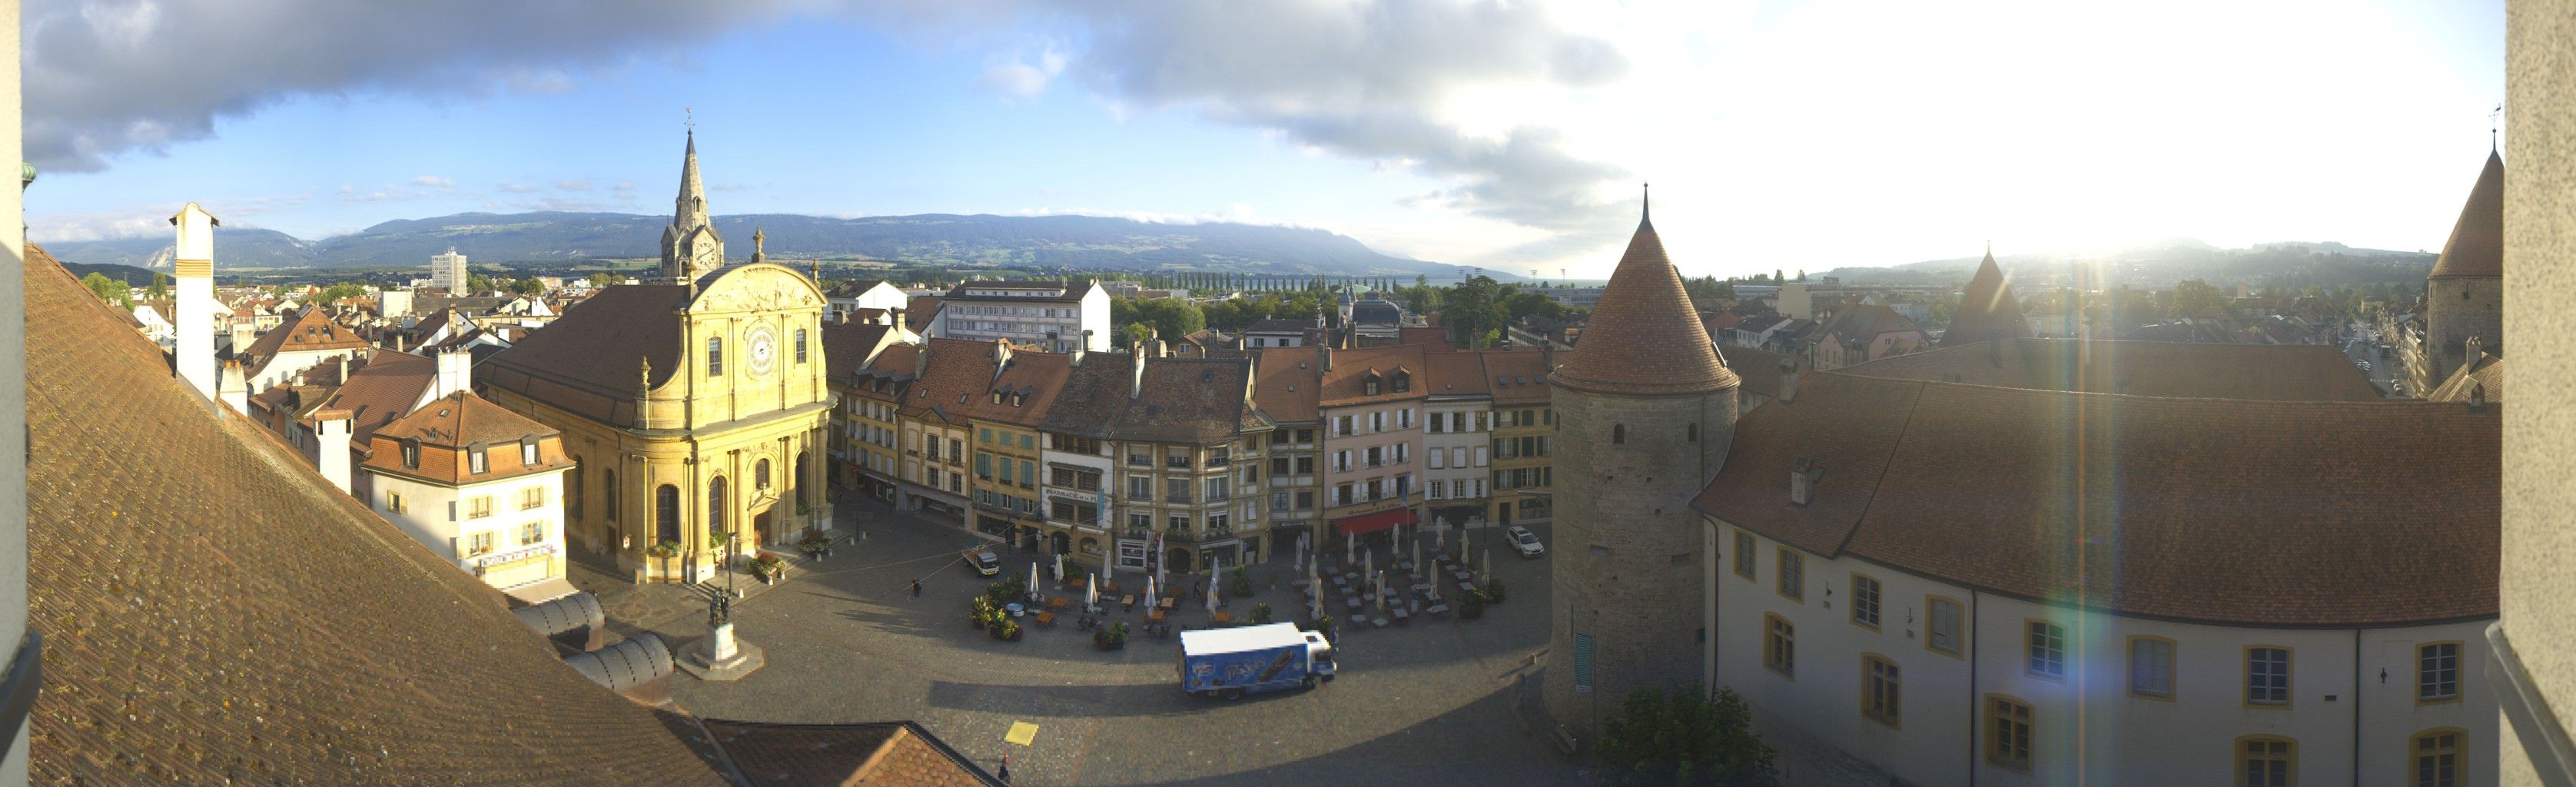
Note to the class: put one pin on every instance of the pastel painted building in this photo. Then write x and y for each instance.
(478, 485)
(1370, 402)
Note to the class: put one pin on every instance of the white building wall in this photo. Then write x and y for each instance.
(426, 515)
(282, 369)
(1094, 318)
(1475, 446)
(2088, 727)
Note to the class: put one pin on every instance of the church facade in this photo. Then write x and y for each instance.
(696, 406)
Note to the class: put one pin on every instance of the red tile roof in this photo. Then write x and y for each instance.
(1987, 310)
(2258, 372)
(1517, 376)
(1644, 339)
(1288, 382)
(2476, 247)
(1345, 379)
(197, 648)
(2305, 514)
(892, 754)
(588, 361)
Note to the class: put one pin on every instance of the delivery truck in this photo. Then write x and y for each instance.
(982, 559)
(1232, 662)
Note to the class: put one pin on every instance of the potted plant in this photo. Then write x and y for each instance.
(983, 611)
(1261, 613)
(1471, 605)
(768, 566)
(814, 544)
(1493, 591)
(1241, 587)
(1110, 637)
(1005, 628)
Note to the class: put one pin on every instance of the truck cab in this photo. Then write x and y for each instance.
(1319, 654)
(983, 560)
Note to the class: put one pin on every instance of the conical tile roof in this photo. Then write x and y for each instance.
(1644, 338)
(1987, 311)
(2477, 242)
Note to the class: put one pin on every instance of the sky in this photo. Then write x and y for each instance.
(1509, 135)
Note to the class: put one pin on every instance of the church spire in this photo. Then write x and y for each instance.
(690, 245)
(690, 210)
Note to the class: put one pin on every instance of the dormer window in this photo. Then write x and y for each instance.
(1403, 382)
(528, 452)
(411, 454)
(1368, 386)
(478, 460)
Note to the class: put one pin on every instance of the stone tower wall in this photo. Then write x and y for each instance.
(1630, 562)
(2456, 308)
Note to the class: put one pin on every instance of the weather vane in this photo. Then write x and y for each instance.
(2495, 122)
(692, 114)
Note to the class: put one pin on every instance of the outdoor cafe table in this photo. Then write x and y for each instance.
(1168, 601)
(1015, 609)
(1352, 602)
(1398, 614)
(1059, 602)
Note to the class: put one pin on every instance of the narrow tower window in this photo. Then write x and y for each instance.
(1618, 434)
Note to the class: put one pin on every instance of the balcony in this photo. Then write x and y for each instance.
(1177, 497)
(1181, 462)
(1140, 461)
(1218, 461)
(1219, 497)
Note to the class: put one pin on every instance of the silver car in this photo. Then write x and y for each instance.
(1525, 541)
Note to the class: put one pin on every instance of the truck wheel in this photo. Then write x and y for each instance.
(1310, 683)
(1329, 678)
(1231, 695)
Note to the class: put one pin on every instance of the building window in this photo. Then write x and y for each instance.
(760, 474)
(479, 507)
(2151, 667)
(531, 533)
(1744, 555)
(2436, 754)
(716, 504)
(532, 497)
(479, 544)
(477, 460)
(2267, 676)
(800, 345)
(715, 356)
(2047, 643)
(666, 513)
(1864, 601)
(1583, 663)
(394, 502)
(2265, 761)
(2437, 672)
(411, 454)
(1618, 434)
(1780, 646)
(528, 453)
(2008, 725)
(1944, 623)
(1793, 574)
(1881, 698)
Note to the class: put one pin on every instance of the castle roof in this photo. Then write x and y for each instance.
(2254, 372)
(1987, 310)
(2476, 247)
(1644, 339)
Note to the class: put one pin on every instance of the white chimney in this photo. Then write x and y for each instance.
(193, 271)
(331, 432)
(455, 373)
(1802, 480)
(232, 390)
(1136, 373)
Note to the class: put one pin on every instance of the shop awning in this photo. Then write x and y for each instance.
(1371, 523)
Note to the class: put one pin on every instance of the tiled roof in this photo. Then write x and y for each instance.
(888, 754)
(1288, 382)
(1758, 368)
(2476, 247)
(1433, 339)
(2485, 376)
(1276, 325)
(1345, 381)
(847, 347)
(918, 312)
(1450, 373)
(2275, 372)
(1184, 400)
(458, 421)
(587, 361)
(2307, 514)
(1867, 322)
(309, 331)
(295, 638)
(383, 390)
(1644, 339)
(1987, 310)
(1029, 383)
(1517, 376)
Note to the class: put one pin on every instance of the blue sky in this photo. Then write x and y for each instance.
(1509, 135)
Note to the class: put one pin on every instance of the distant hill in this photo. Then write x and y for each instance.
(2293, 263)
(137, 277)
(1044, 243)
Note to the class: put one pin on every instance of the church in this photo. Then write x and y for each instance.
(694, 404)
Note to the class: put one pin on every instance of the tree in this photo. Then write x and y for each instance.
(114, 291)
(2191, 296)
(603, 279)
(528, 286)
(1682, 736)
(1136, 333)
(346, 289)
(160, 286)
(476, 282)
(1802, 274)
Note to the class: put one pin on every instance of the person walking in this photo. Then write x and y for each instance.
(1006, 770)
(916, 588)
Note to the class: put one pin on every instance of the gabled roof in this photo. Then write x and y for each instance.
(1450, 373)
(1279, 325)
(847, 348)
(1288, 382)
(310, 331)
(205, 649)
(2282, 514)
(383, 390)
(1867, 322)
(1644, 339)
(1987, 310)
(2253, 372)
(2476, 247)
(451, 425)
(892, 754)
(1345, 383)
(2483, 376)
(1196, 401)
(1517, 376)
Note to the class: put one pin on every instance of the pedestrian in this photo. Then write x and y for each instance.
(916, 588)
(1006, 770)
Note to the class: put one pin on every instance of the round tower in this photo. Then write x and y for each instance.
(2464, 296)
(1645, 410)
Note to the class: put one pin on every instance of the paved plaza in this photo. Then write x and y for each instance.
(1439, 701)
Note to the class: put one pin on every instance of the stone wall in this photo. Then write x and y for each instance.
(2450, 319)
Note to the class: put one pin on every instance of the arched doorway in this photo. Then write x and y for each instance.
(1178, 561)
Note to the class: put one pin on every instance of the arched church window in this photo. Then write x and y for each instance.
(716, 504)
(760, 474)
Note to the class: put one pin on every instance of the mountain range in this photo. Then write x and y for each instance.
(2159, 265)
(1043, 243)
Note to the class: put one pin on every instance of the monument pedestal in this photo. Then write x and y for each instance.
(723, 658)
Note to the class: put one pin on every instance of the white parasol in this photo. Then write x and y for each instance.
(1350, 544)
(1091, 591)
(1211, 600)
(1150, 590)
(1418, 570)
(1059, 567)
(1033, 577)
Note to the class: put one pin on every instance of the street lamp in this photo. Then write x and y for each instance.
(720, 609)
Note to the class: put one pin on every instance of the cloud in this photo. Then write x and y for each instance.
(573, 185)
(1021, 78)
(433, 181)
(108, 77)
(507, 187)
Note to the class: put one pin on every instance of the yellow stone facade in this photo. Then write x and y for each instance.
(731, 443)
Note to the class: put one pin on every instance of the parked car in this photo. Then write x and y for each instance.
(1525, 541)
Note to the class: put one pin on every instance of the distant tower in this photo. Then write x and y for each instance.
(690, 246)
(1645, 410)
(1987, 310)
(2464, 297)
(448, 270)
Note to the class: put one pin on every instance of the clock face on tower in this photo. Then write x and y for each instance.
(764, 350)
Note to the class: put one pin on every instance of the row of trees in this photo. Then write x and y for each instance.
(1476, 311)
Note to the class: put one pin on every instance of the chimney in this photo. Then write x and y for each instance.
(1001, 354)
(2473, 348)
(1788, 380)
(1324, 354)
(1802, 480)
(1162, 350)
(331, 431)
(1136, 374)
(1547, 356)
(242, 338)
(193, 272)
(1080, 349)
(2477, 396)
(899, 327)
(455, 372)
(921, 362)
(232, 390)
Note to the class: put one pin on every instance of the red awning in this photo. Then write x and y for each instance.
(1371, 523)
